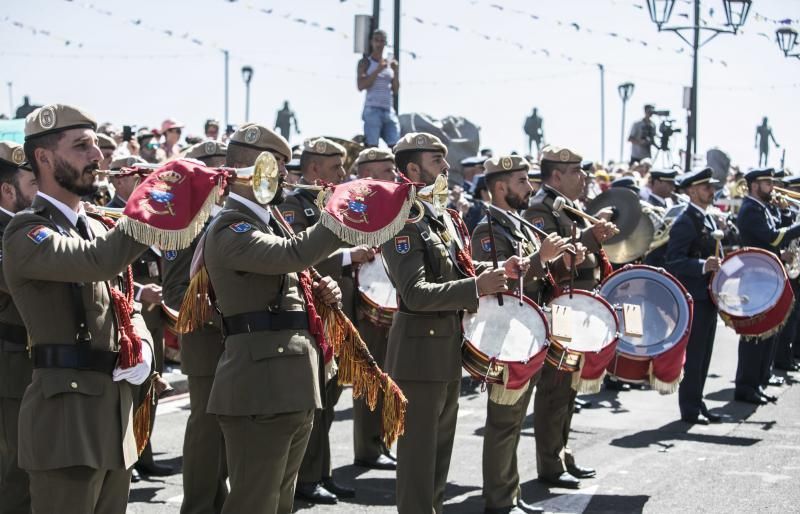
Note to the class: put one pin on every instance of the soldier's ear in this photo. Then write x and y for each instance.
(413, 171)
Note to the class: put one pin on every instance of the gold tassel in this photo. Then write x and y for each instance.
(141, 421)
(358, 368)
(195, 310)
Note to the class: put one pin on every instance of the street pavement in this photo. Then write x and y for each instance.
(647, 459)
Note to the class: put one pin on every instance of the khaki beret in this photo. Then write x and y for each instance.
(374, 155)
(12, 154)
(53, 118)
(557, 154)
(322, 146)
(105, 142)
(126, 162)
(208, 148)
(420, 142)
(259, 137)
(505, 164)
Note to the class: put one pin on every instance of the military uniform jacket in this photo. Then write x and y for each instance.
(253, 267)
(507, 238)
(200, 349)
(759, 228)
(70, 417)
(15, 367)
(425, 338)
(541, 214)
(690, 244)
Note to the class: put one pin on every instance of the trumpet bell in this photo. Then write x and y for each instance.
(263, 177)
(436, 194)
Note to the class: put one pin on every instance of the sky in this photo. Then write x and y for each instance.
(490, 61)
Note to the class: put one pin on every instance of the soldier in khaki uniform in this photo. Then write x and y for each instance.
(507, 181)
(267, 383)
(205, 471)
(554, 401)
(76, 435)
(323, 160)
(423, 355)
(17, 189)
(368, 449)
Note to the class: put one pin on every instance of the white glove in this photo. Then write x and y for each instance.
(139, 373)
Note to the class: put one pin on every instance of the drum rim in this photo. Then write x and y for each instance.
(364, 296)
(749, 249)
(595, 294)
(681, 332)
(547, 339)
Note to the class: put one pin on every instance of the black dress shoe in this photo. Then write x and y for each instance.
(153, 470)
(314, 492)
(514, 509)
(768, 397)
(379, 462)
(713, 418)
(581, 472)
(337, 489)
(390, 455)
(563, 480)
(135, 476)
(787, 366)
(775, 380)
(583, 403)
(616, 385)
(694, 420)
(527, 507)
(750, 397)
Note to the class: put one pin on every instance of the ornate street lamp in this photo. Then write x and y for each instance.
(787, 40)
(625, 92)
(247, 76)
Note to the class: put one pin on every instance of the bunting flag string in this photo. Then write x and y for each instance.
(43, 32)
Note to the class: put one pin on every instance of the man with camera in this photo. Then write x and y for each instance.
(642, 136)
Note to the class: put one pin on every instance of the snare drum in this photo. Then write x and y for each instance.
(504, 344)
(377, 292)
(657, 355)
(752, 292)
(592, 335)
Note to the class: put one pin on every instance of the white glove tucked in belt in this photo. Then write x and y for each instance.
(139, 373)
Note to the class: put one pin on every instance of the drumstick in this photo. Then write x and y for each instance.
(536, 230)
(573, 264)
(559, 204)
(494, 249)
(717, 235)
(521, 278)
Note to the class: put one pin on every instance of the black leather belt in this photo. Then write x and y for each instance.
(71, 356)
(8, 346)
(13, 334)
(261, 321)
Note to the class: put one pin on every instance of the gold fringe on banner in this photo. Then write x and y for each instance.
(195, 310)
(141, 420)
(358, 368)
(170, 239)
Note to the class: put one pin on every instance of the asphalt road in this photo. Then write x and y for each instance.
(647, 459)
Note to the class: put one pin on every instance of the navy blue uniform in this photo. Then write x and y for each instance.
(657, 257)
(690, 244)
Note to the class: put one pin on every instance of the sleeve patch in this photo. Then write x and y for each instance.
(241, 227)
(402, 244)
(39, 234)
(486, 244)
(288, 216)
(538, 222)
(170, 255)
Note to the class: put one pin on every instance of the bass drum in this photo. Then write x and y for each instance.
(504, 344)
(378, 295)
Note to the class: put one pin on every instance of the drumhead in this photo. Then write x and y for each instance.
(508, 333)
(749, 282)
(664, 304)
(375, 286)
(594, 323)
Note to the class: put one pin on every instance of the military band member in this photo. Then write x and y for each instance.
(554, 400)
(662, 187)
(267, 383)
(428, 267)
(18, 187)
(76, 437)
(690, 257)
(788, 344)
(368, 449)
(322, 161)
(759, 228)
(507, 180)
(205, 471)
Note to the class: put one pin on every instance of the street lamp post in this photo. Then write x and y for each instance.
(735, 15)
(247, 76)
(625, 93)
(786, 38)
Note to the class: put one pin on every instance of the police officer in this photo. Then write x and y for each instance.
(368, 449)
(690, 257)
(323, 160)
(205, 470)
(17, 189)
(75, 437)
(554, 401)
(429, 268)
(758, 227)
(507, 180)
(267, 382)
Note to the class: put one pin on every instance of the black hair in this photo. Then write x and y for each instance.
(9, 173)
(548, 167)
(403, 159)
(493, 178)
(48, 141)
